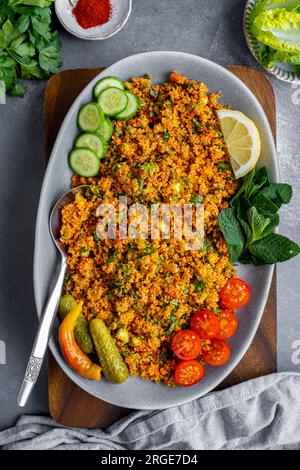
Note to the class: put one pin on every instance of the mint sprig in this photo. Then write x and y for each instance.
(248, 224)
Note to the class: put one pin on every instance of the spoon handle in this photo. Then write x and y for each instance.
(42, 338)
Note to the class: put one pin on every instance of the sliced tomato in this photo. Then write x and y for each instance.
(186, 344)
(217, 353)
(235, 293)
(188, 373)
(228, 325)
(205, 323)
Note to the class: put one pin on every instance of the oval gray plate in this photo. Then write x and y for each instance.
(135, 392)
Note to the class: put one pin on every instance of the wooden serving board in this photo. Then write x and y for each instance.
(71, 406)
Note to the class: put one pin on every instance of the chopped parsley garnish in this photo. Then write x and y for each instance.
(140, 183)
(224, 166)
(196, 199)
(113, 256)
(198, 285)
(197, 123)
(148, 167)
(172, 327)
(85, 252)
(95, 235)
(148, 251)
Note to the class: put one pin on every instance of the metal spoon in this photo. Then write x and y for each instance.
(44, 332)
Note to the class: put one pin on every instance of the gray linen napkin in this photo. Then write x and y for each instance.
(263, 413)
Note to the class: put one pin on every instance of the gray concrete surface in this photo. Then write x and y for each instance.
(209, 28)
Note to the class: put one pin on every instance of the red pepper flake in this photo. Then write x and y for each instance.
(91, 13)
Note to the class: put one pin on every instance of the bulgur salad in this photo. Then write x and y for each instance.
(149, 307)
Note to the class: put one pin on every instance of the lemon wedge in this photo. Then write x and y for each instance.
(242, 140)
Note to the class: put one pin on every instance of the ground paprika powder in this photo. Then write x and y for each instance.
(91, 13)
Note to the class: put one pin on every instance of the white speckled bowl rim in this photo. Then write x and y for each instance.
(278, 70)
(137, 393)
(121, 13)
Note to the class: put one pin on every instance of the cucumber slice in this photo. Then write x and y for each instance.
(106, 129)
(112, 101)
(90, 117)
(84, 162)
(131, 108)
(107, 82)
(93, 142)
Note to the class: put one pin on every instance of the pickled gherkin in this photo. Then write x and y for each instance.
(113, 366)
(82, 335)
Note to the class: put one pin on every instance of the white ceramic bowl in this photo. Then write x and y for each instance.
(282, 71)
(121, 10)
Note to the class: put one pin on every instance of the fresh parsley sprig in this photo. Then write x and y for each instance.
(29, 48)
(248, 224)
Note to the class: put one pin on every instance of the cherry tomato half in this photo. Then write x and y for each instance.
(205, 323)
(217, 354)
(189, 373)
(235, 293)
(228, 325)
(186, 344)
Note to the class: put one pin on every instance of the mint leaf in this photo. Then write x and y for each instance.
(259, 181)
(277, 193)
(248, 258)
(246, 187)
(247, 229)
(251, 186)
(274, 249)
(261, 177)
(253, 215)
(232, 232)
(257, 222)
(242, 207)
(264, 205)
(274, 222)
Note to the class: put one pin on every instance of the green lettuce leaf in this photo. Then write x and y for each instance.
(268, 56)
(262, 5)
(279, 29)
(288, 4)
(288, 58)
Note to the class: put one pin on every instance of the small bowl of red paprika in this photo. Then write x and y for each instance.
(93, 19)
